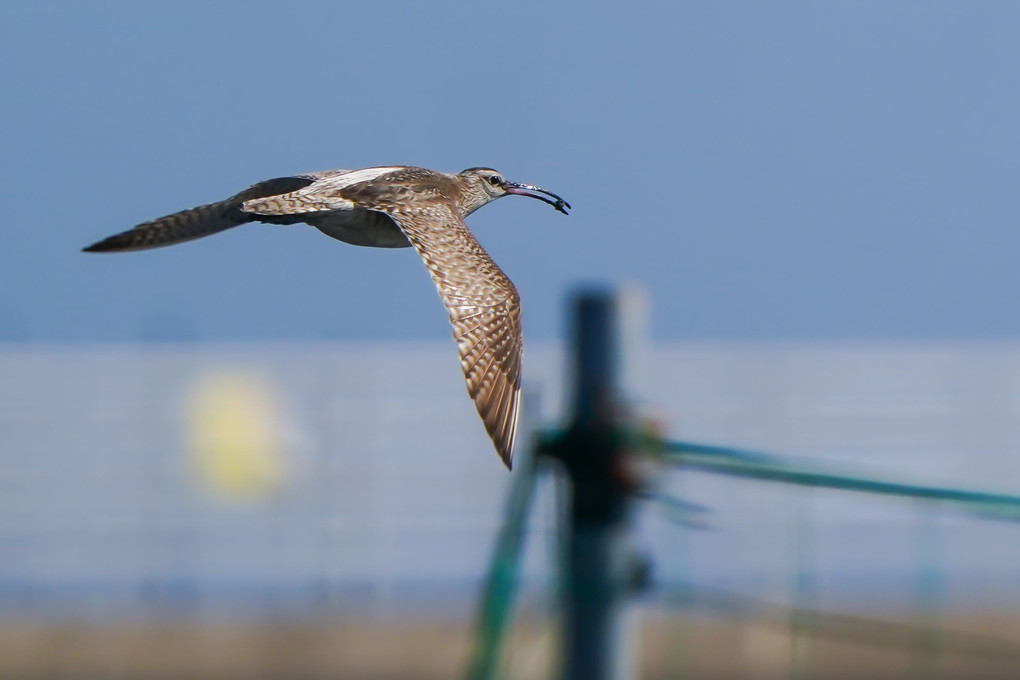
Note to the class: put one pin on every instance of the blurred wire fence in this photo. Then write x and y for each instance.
(352, 482)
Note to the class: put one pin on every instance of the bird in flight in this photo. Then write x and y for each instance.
(396, 207)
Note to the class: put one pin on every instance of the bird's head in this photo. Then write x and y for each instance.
(485, 184)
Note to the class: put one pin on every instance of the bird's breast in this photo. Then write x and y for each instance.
(361, 228)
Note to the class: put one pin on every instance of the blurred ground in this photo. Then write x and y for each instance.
(987, 646)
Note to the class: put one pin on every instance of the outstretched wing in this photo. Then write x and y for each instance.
(203, 220)
(485, 312)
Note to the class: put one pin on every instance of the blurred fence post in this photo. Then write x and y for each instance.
(600, 564)
(803, 586)
(501, 584)
(927, 591)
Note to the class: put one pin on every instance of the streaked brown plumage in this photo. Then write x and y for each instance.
(396, 207)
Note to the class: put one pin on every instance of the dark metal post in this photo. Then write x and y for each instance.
(599, 561)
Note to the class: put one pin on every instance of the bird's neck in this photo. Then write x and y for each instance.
(471, 198)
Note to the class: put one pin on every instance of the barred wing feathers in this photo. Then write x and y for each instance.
(203, 220)
(484, 310)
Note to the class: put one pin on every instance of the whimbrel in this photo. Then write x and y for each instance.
(396, 207)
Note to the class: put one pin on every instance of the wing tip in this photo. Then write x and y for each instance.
(107, 245)
(507, 438)
(507, 456)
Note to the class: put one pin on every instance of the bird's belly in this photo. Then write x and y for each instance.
(362, 228)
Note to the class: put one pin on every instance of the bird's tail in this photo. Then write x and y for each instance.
(177, 228)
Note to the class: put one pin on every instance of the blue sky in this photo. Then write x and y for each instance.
(818, 170)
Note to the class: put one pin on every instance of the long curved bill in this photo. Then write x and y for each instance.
(527, 190)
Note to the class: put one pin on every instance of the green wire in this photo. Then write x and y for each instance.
(744, 463)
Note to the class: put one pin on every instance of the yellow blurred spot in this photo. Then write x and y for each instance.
(234, 436)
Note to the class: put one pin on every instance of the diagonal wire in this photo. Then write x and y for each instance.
(744, 463)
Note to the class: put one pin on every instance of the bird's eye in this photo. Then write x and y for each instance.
(495, 180)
